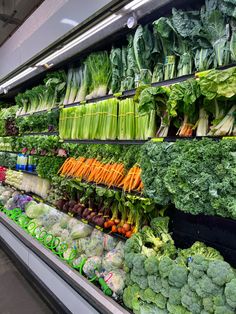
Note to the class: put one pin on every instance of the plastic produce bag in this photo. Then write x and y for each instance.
(72, 222)
(34, 210)
(64, 221)
(78, 260)
(56, 230)
(109, 242)
(95, 245)
(116, 281)
(91, 265)
(113, 260)
(81, 230)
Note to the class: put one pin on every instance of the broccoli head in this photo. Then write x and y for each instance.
(154, 282)
(198, 265)
(206, 287)
(225, 309)
(165, 288)
(149, 296)
(133, 244)
(199, 248)
(150, 239)
(178, 276)
(177, 309)
(151, 265)
(141, 281)
(174, 296)
(208, 304)
(129, 259)
(220, 272)
(230, 293)
(138, 264)
(165, 266)
(168, 249)
(148, 251)
(131, 295)
(150, 308)
(191, 300)
(160, 225)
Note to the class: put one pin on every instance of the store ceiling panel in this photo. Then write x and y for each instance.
(12, 14)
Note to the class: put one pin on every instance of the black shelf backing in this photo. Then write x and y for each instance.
(215, 231)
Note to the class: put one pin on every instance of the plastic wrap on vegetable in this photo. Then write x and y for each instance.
(109, 242)
(83, 243)
(51, 217)
(116, 281)
(64, 221)
(80, 230)
(113, 259)
(56, 229)
(92, 265)
(34, 210)
(72, 222)
(95, 245)
(78, 260)
(5, 196)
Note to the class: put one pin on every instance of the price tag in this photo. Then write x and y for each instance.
(70, 214)
(84, 221)
(61, 106)
(229, 138)
(83, 102)
(157, 139)
(61, 140)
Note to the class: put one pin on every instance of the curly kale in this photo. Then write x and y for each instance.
(201, 179)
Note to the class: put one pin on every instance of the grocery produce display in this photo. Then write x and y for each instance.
(109, 155)
(148, 273)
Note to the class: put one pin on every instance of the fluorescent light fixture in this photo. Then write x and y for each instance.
(80, 38)
(17, 77)
(135, 4)
(69, 22)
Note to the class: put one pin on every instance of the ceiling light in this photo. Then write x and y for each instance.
(80, 38)
(135, 4)
(17, 77)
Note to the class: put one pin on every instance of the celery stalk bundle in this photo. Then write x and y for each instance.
(126, 119)
(145, 124)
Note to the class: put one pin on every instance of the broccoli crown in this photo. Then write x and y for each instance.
(148, 295)
(174, 296)
(151, 265)
(154, 282)
(198, 265)
(225, 309)
(141, 281)
(165, 288)
(230, 293)
(159, 225)
(165, 266)
(129, 259)
(206, 288)
(133, 244)
(150, 239)
(208, 304)
(199, 248)
(178, 276)
(130, 294)
(176, 309)
(220, 272)
(138, 264)
(191, 300)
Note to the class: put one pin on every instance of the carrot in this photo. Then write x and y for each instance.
(137, 180)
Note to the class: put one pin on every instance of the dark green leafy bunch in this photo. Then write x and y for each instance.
(202, 178)
(43, 122)
(156, 158)
(47, 167)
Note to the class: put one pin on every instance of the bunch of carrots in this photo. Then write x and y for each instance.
(110, 174)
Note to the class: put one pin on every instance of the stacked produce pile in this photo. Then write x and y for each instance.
(197, 176)
(112, 165)
(42, 97)
(105, 208)
(162, 279)
(28, 183)
(108, 119)
(3, 171)
(6, 143)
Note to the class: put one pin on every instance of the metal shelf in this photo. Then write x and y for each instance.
(120, 142)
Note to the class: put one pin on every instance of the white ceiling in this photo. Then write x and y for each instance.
(12, 14)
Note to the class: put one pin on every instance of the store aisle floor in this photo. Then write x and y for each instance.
(16, 294)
